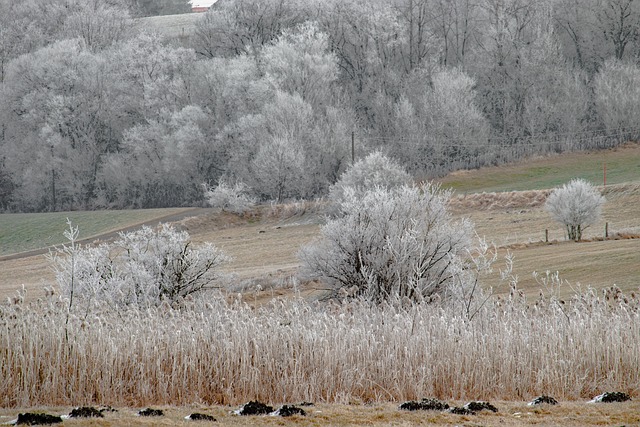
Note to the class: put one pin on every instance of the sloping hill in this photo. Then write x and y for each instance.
(620, 165)
(265, 246)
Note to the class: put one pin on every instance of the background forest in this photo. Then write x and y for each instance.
(97, 112)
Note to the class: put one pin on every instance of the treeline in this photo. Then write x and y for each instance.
(98, 113)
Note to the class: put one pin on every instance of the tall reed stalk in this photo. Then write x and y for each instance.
(292, 350)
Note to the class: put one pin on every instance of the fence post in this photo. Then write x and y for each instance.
(546, 235)
(606, 230)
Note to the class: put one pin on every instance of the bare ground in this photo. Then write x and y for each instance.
(265, 247)
(570, 414)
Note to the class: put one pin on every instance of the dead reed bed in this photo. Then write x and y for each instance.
(226, 352)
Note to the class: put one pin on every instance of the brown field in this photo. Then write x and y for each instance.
(265, 247)
(570, 414)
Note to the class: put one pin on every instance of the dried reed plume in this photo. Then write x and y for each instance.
(219, 352)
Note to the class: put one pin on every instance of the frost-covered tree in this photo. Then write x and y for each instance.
(376, 171)
(229, 197)
(57, 125)
(98, 24)
(394, 243)
(576, 205)
(234, 27)
(141, 268)
(299, 62)
(160, 163)
(279, 167)
(617, 90)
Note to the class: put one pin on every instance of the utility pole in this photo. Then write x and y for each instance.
(410, 35)
(53, 183)
(353, 147)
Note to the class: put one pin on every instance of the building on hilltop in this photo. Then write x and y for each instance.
(200, 6)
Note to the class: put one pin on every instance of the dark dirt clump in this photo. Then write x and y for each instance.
(461, 411)
(86, 412)
(32, 419)
(612, 396)
(472, 408)
(424, 405)
(480, 406)
(548, 400)
(151, 413)
(201, 417)
(287, 411)
(255, 408)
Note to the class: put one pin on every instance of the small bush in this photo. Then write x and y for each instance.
(399, 243)
(141, 268)
(231, 198)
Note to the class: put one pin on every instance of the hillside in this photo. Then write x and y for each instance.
(621, 164)
(265, 246)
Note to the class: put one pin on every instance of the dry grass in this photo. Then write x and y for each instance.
(568, 414)
(516, 221)
(291, 350)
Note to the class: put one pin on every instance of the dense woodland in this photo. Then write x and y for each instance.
(98, 113)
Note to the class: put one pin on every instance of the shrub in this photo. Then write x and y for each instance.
(391, 243)
(232, 198)
(374, 171)
(140, 268)
(577, 205)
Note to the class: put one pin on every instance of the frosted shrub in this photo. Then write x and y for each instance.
(374, 171)
(141, 268)
(391, 243)
(577, 205)
(232, 198)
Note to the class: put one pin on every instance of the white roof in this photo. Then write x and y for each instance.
(202, 3)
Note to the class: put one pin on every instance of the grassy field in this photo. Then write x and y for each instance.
(622, 165)
(26, 232)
